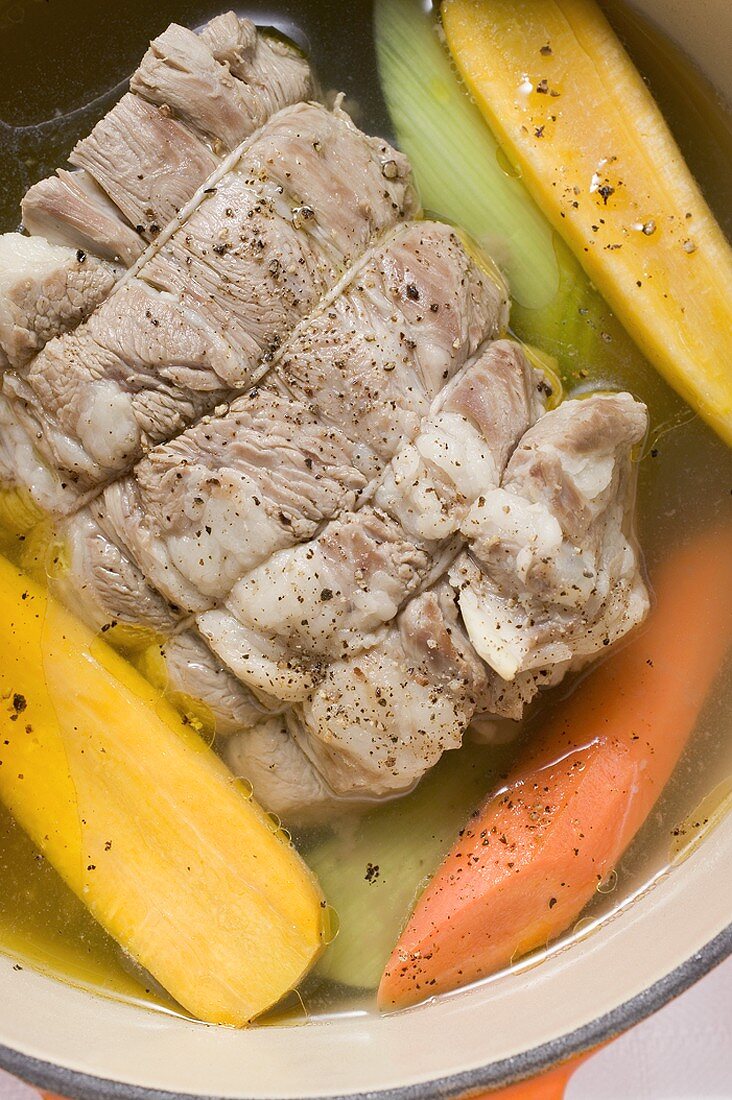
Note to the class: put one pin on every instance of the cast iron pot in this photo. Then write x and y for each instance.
(478, 1039)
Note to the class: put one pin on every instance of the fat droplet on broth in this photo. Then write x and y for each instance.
(56, 563)
(291, 1010)
(244, 787)
(506, 164)
(331, 925)
(526, 958)
(608, 884)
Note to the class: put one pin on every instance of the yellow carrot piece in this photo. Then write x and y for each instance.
(565, 101)
(143, 821)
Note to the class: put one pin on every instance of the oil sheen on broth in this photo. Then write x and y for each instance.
(685, 472)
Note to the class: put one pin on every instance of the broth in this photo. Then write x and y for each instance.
(685, 474)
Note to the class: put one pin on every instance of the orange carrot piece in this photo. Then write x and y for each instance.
(531, 857)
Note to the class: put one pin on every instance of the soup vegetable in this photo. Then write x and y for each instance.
(319, 461)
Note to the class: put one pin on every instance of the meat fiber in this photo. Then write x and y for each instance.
(377, 719)
(190, 676)
(103, 587)
(373, 359)
(226, 494)
(265, 474)
(146, 162)
(235, 279)
(203, 510)
(377, 722)
(289, 466)
(282, 776)
(553, 576)
(224, 82)
(308, 197)
(140, 369)
(194, 97)
(330, 597)
(71, 209)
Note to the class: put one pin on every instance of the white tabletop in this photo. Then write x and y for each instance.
(682, 1053)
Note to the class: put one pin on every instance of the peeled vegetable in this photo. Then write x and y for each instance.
(570, 109)
(531, 858)
(142, 820)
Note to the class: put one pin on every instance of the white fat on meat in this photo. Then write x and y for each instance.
(379, 720)
(463, 447)
(225, 495)
(140, 369)
(553, 576)
(376, 720)
(329, 597)
(269, 470)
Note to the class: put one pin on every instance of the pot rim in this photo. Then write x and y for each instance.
(496, 1075)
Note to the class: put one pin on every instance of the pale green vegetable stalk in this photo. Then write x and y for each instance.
(464, 177)
(373, 871)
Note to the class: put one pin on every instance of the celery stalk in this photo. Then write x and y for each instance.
(464, 177)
